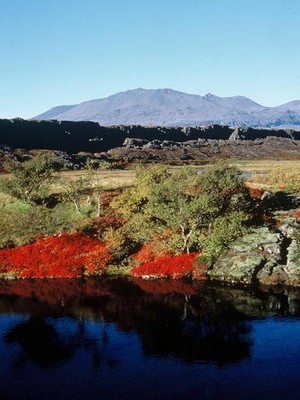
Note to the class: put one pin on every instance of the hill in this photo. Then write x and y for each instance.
(167, 107)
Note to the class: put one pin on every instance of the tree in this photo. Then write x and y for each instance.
(30, 181)
(90, 184)
(73, 191)
(96, 181)
(184, 203)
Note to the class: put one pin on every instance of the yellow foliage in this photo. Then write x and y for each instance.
(114, 239)
(281, 179)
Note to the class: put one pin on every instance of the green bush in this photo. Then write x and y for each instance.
(224, 231)
(30, 181)
(189, 210)
(21, 223)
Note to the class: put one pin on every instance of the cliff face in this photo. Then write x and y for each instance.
(74, 137)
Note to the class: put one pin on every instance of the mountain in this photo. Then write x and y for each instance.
(167, 107)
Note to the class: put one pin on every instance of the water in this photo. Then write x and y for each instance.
(246, 174)
(120, 339)
(241, 175)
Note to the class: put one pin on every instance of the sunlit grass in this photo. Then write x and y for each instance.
(117, 179)
(113, 179)
(265, 166)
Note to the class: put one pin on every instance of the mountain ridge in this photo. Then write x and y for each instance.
(168, 107)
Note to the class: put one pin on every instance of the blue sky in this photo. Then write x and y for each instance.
(57, 52)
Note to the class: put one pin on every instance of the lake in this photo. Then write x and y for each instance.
(134, 339)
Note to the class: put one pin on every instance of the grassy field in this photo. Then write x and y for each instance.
(115, 179)
(123, 178)
(265, 166)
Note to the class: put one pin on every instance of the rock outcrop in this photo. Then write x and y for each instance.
(248, 256)
(263, 257)
(293, 264)
(202, 150)
(74, 137)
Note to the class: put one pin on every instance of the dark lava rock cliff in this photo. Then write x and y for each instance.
(162, 144)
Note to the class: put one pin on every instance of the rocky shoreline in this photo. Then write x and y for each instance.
(262, 257)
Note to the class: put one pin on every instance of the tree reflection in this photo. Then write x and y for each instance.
(47, 342)
(202, 335)
(40, 342)
(190, 322)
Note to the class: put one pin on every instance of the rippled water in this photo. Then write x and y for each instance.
(121, 339)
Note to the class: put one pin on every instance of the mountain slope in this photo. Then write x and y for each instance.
(168, 107)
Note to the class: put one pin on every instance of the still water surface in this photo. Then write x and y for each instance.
(120, 339)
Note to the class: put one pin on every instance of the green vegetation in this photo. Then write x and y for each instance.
(31, 180)
(166, 213)
(30, 208)
(184, 210)
(21, 223)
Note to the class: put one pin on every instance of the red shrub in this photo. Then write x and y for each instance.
(56, 256)
(109, 217)
(256, 193)
(154, 249)
(297, 214)
(175, 267)
(150, 252)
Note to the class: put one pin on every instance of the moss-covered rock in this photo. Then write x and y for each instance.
(257, 252)
(293, 263)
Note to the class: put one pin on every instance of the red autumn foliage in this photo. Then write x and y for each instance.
(256, 193)
(297, 214)
(154, 249)
(109, 218)
(150, 252)
(168, 266)
(65, 256)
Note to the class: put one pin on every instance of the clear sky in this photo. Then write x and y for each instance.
(56, 52)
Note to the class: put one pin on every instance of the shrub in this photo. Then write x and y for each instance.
(256, 193)
(31, 179)
(175, 267)
(150, 252)
(184, 202)
(56, 256)
(297, 214)
(21, 223)
(224, 231)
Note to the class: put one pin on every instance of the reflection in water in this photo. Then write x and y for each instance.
(184, 326)
(40, 342)
(114, 327)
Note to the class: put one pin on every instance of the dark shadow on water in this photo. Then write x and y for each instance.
(133, 339)
(191, 322)
(40, 342)
(183, 329)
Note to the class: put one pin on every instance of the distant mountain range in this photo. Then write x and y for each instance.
(167, 107)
